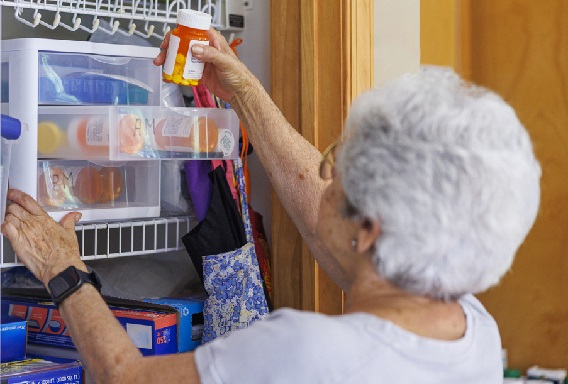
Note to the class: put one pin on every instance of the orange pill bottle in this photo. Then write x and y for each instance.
(89, 135)
(180, 66)
(112, 184)
(88, 185)
(199, 134)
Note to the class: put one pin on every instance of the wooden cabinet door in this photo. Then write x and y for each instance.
(321, 58)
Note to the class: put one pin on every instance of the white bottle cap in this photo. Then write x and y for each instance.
(194, 19)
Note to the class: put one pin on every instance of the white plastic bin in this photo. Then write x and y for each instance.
(26, 61)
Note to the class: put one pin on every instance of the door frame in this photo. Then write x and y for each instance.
(321, 59)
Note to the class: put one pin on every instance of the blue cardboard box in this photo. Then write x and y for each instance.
(154, 332)
(13, 336)
(190, 320)
(38, 371)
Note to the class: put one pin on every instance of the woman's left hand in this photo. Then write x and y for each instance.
(43, 245)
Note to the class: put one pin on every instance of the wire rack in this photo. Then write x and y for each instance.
(145, 18)
(119, 239)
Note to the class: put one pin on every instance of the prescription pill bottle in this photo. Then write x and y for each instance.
(198, 134)
(89, 135)
(112, 184)
(50, 137)
(180, 66)
(88, 185)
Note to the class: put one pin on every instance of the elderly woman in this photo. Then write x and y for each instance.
(422, 202)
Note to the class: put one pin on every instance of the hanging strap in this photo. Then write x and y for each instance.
(234, 44)
(239, 174)
(244, 157)
(202, 97)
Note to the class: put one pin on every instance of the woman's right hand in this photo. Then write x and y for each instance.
(224, 74)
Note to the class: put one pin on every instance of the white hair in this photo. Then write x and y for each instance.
(449, 172)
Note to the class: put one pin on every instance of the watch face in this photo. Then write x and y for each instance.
(69, 281)
(64, 282)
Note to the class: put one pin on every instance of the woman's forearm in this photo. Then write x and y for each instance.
(107, 351)
(103, 344)
(292, 165)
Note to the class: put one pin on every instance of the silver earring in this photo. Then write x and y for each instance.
(354, 244)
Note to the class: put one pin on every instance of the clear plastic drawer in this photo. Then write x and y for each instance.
(109, 191)
(87, 79)
(136, 133)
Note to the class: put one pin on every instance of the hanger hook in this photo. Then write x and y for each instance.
(37, 19)
(150, 31)
(56, 20)
(132, 28)
(77, 23)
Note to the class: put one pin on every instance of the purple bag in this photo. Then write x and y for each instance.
(199, 185)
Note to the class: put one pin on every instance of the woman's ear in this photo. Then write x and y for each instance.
(367, 235)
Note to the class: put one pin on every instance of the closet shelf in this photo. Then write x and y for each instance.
(145, 18)
(120, 239)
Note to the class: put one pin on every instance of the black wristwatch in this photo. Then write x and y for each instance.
(69, 281)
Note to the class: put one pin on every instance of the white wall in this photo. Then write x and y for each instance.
(397, 38)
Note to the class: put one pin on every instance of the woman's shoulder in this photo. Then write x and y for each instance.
(475, 309)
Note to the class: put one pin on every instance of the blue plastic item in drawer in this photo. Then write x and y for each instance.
(92, 88)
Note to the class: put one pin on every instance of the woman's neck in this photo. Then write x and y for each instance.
(417, 314)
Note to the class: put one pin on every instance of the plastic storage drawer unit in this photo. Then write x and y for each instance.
(78, 74)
